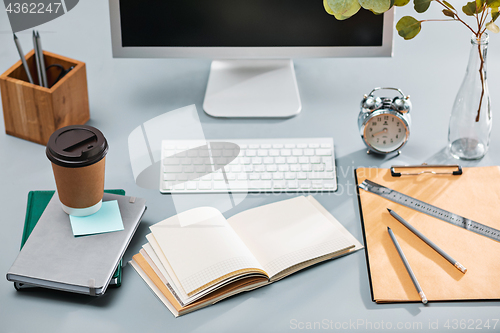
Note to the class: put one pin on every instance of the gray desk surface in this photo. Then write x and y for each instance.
(126, 92)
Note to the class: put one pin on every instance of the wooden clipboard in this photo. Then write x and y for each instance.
(475, 194)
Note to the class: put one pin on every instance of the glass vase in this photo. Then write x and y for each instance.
(470, 121)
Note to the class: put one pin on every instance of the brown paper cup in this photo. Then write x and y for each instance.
(78, 156)
(80, 189)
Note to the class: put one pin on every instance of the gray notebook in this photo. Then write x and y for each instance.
(53, 258)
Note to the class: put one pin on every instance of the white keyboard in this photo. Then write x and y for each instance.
(248, 165)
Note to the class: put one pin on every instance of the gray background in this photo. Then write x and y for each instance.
(126, 92)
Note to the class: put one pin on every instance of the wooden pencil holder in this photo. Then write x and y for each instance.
(32, 112)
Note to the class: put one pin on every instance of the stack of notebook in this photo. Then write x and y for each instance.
(197, 258)
(52, 257)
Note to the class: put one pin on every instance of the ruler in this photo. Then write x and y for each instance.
(431, 210)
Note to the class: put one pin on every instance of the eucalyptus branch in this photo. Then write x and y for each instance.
(457, 17)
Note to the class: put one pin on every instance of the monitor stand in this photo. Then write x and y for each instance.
(252, 88)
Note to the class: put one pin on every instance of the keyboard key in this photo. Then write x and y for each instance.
(295, 167)
(236, 168)
(279, 185)
(280, 160)
(297, 152)
(323, 152)
(293, 184)
(265, 146)
(229, 153)
(303, 160)
(205, 185)
(169, 176)
(254, 176)
(218, 176)
(172, 169)
(206, 178)
(246, 160)
(315, 145)
(290, 175)
(216, 152)
(290, 145)
(315, 159)
(259, 168)
(326, 145)
(301, 175)
(302, 145)
(316, 175)
(318, 167)
(328, 185)
(253, 146)
(286, 152)
(268, 160)
(283, 167)
(271, 168)
(292, 160)
(191, 186)
(171, 161)
(278, 145)
(262, 152)
(305, 185)
(218, 185)
(259, 185)
(251, 153)
(257, 160)
(179, 187)
(274, 152)
(309, 152)
(329, 175)
(328, 167)
(266, 176)
(278, 175)
(306, 167)
(182, 177)
(242, 176)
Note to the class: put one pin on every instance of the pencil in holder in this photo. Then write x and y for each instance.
(32, 112)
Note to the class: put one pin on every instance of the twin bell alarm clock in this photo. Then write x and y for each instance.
(384, 123)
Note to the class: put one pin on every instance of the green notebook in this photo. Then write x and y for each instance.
(37, 201)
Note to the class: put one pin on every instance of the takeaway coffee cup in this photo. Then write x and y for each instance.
(78, 156)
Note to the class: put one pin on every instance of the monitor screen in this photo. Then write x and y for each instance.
(232, 29)
(243, 23)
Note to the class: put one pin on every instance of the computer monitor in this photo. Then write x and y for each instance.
(251, 43)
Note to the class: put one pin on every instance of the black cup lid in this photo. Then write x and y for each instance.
(76, 146)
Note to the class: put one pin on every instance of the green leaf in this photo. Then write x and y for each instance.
(401, 3)
(492, 27)
(341, 9)
(479, 5)
(421, 5)
(377, 6)
(493, 3)
(470, 8)
(494, 14)
(408, 27)
(449, 13)
(449, 5)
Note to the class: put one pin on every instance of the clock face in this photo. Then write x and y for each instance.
(385, 132)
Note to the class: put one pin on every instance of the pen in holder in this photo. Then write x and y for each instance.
(32, 112)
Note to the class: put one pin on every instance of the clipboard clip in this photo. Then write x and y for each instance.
(450, 169)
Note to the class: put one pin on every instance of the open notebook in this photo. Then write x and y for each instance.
(197, 257)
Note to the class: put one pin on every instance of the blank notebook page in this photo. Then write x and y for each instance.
(201, 248)
(287, 233)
